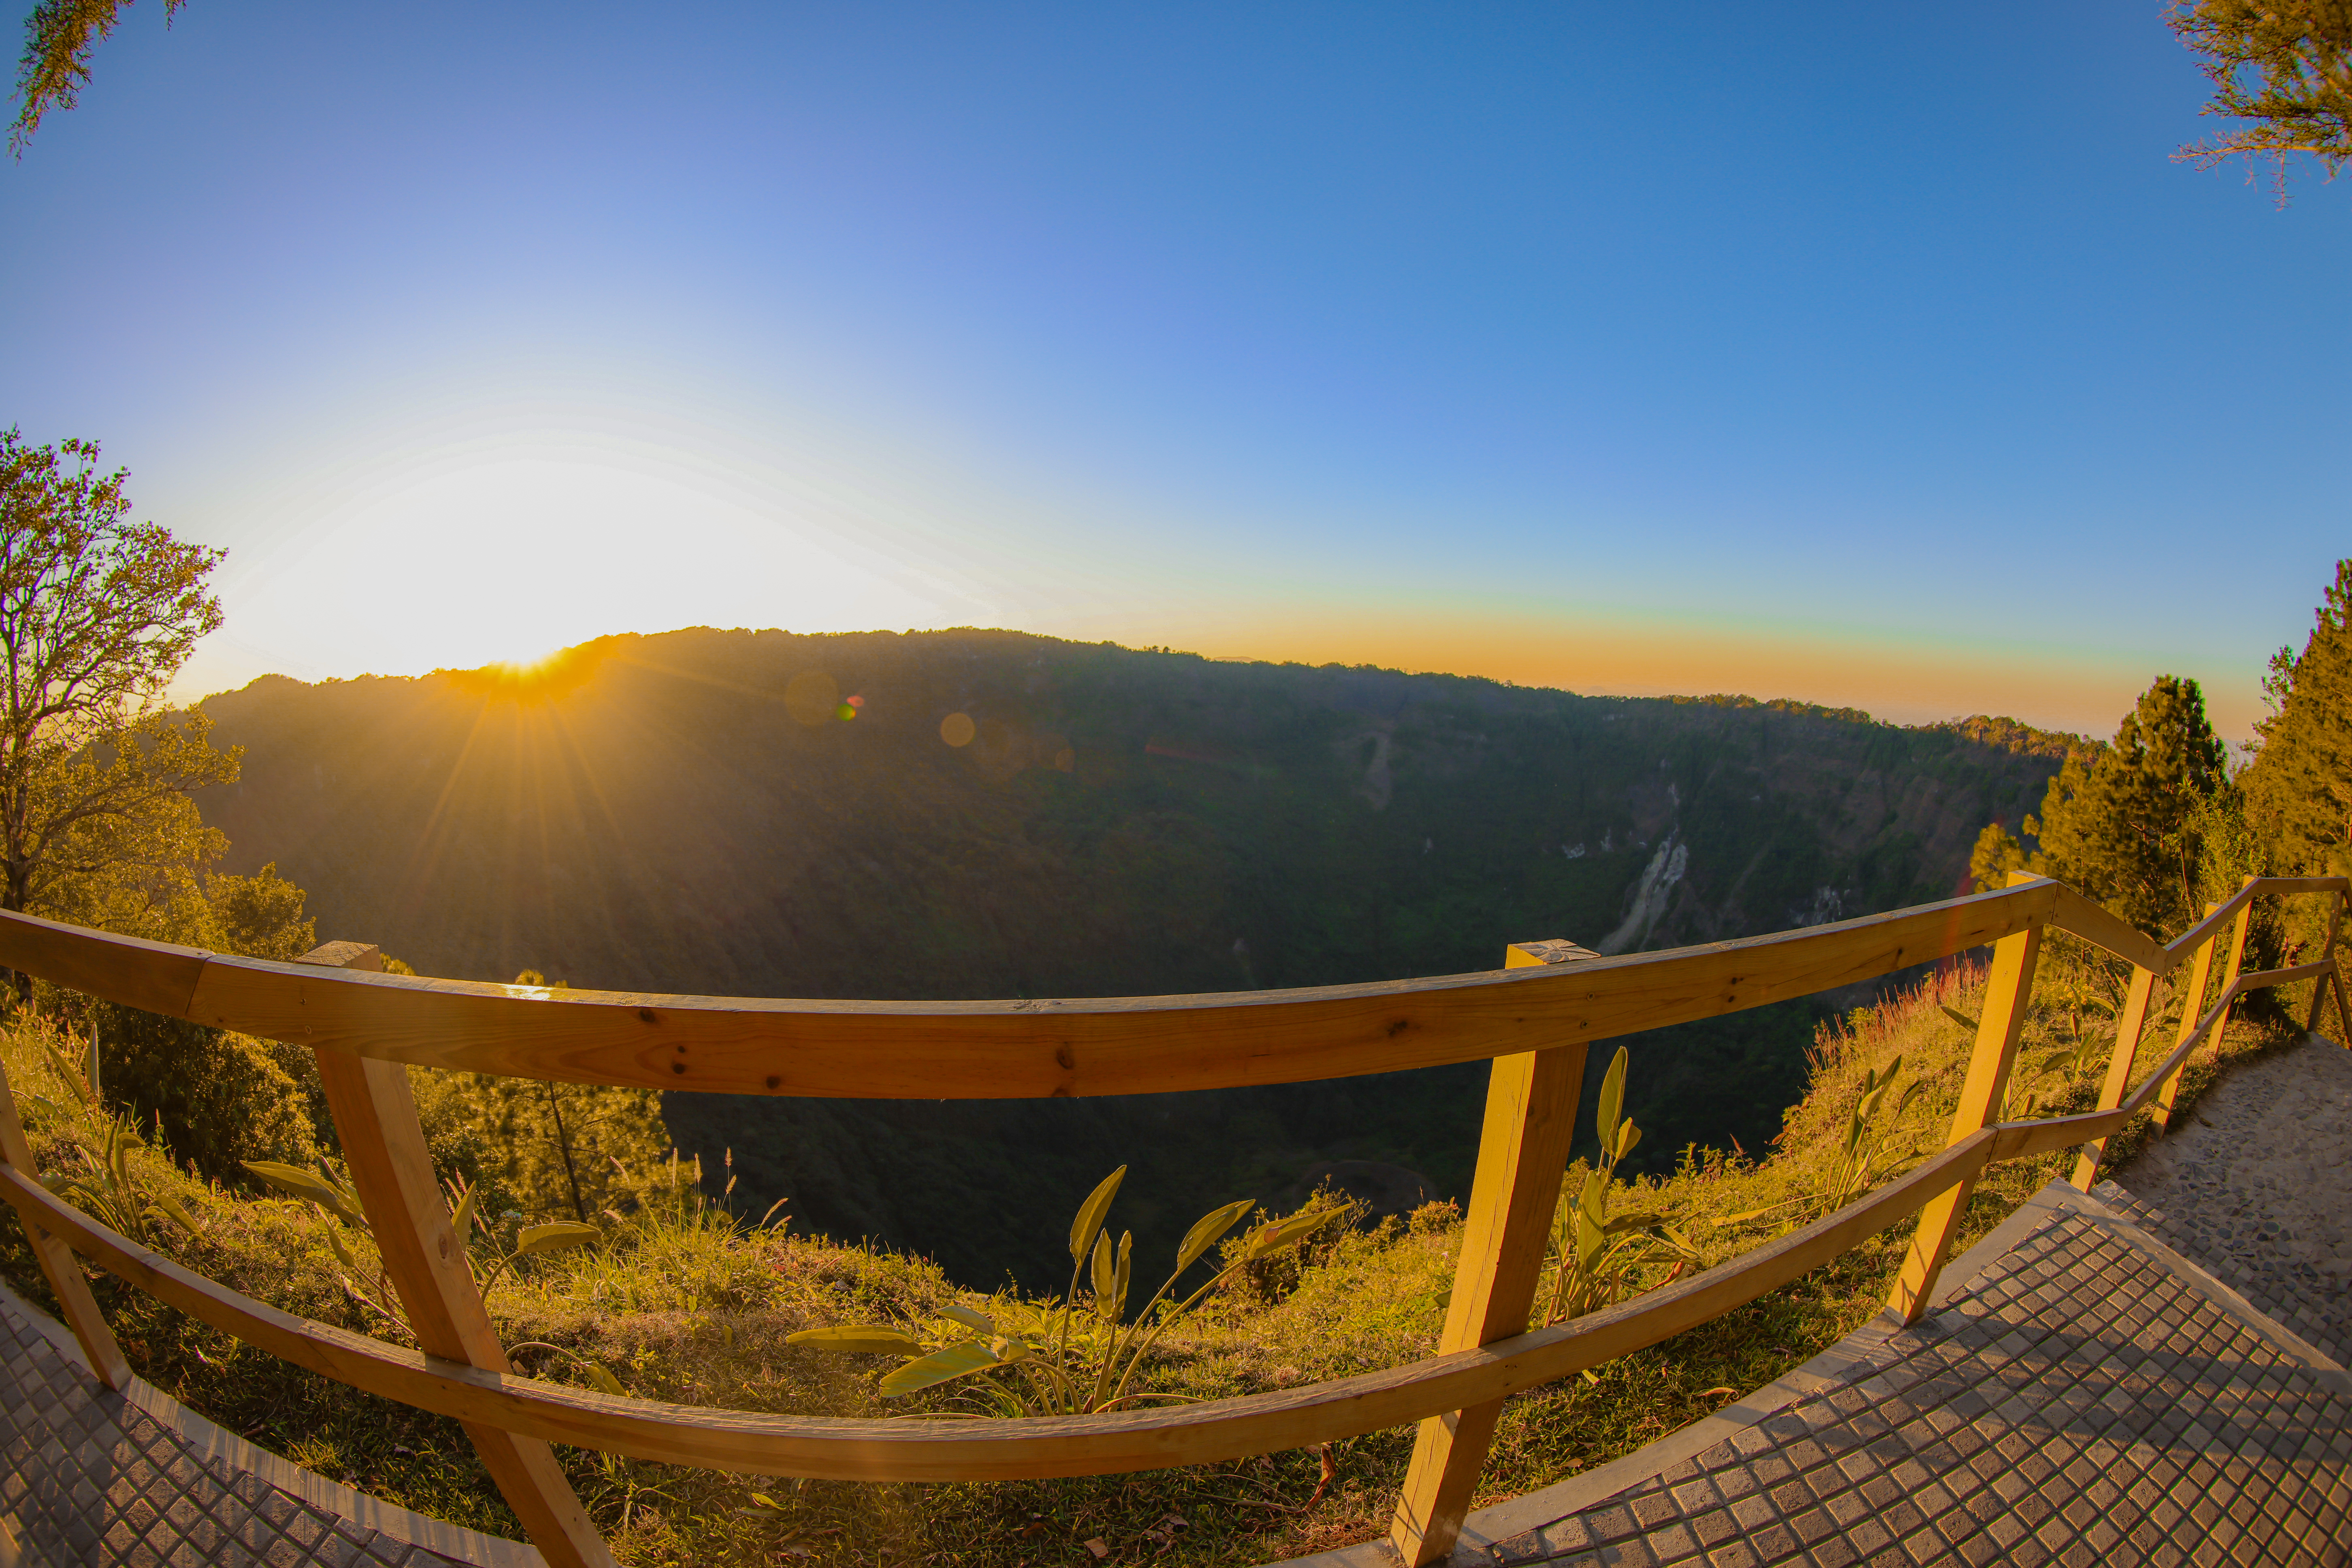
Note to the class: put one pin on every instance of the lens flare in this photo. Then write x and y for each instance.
(957, 729)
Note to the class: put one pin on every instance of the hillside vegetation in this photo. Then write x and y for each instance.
(691, 812)
(680, 1299)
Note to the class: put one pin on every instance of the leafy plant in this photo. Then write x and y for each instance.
(370, 1289)
(108, 1187)
(1869, 1153)
(1596, 1253)
(83, 1084)
(2024, 1091)
(110, 1190)
(1062, 1360)
(495, 1256)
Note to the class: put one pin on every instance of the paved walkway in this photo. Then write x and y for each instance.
(90, 1479)
(2256, 1186)
(2082, 1393)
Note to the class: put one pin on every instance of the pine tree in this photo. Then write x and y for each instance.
(2299, 789)
(2126, 828)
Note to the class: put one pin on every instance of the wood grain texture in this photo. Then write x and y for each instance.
(2023, 1140)
(362, 1025)
(2220, 914)
(362, 956)
(2080, 917)
(1025, 1050)
(1522, 1151)
(2130, 1025)
(156, 976)
(2194, 986)
(58, 1265)
(384, 1145)
(2319, 992)
(2236, 961)
(2008, 996)
(1008, 1449)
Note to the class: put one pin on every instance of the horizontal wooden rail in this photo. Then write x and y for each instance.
(2079, 916)
(1012, 1448)
(999, 1050)
(992, 1050)
(1114, 1046)
(2222, 914)
(2022, 1139)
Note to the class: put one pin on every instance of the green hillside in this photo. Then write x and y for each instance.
(690, 813)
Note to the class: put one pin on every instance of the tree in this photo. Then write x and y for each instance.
(59, 38)
(97, 613)
(2126, 828)
(2299, 787)
(2285, 66)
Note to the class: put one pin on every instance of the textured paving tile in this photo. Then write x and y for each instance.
(89, 1480)
(2079, 1402)
(2251, 1183)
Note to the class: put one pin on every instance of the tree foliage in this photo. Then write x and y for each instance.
(2128, 827)
(97, 613)
(2294, 800)
(59, 38)
(2284, 67)
(2299, 788)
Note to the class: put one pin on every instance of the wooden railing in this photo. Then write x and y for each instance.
(1534, 1019)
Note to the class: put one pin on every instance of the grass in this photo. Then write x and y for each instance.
(686, 1302)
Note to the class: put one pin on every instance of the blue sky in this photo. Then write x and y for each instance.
(1870, 354)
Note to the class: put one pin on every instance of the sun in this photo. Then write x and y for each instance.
(543, 679)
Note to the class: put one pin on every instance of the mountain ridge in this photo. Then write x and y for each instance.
(692, 812)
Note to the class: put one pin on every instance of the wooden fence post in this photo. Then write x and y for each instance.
(2131, 1024)
(376, 1114)
(2332, 980)
(58, 1264)
(1522, 1154)
(2009, 992)
(2238, 931)
(2192, 1005)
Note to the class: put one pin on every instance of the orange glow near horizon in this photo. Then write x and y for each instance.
(1910, 684)
(547, 678)
(1900, 683)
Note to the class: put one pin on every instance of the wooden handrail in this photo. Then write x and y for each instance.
(2080, 917)
(1131, 1044)
(2220, 914)
(999, 1050)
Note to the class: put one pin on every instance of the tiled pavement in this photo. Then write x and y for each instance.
(2080, 1402)
(2252, 1186)
(2081, 1395)
(90, 1477)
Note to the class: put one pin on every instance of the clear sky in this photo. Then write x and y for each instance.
(1871, 354)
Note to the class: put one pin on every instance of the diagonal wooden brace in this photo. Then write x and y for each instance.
(2009, 992)
(59, 1266)
(376, 1114)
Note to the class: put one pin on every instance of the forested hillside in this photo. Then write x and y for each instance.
(976, 814)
